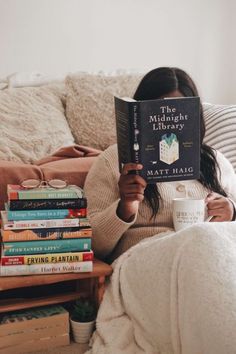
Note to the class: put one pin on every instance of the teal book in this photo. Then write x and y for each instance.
(49, 246)
(16, 192)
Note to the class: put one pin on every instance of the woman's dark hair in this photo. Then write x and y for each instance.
(158, 83)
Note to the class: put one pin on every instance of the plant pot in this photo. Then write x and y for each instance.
(82, 331)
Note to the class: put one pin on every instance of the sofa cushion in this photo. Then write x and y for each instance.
(32, 123)
(220, 129)
(70, 164)
(90, 106)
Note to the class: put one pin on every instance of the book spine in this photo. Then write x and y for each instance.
(47, 204)
(50, 268)
(53, 194)
(47, 258)
(136, 131)
(39, 224)
(45, 234)
(46, 214)
(50, 246)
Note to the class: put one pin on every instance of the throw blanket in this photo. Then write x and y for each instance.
(174, 293)
(70, 163)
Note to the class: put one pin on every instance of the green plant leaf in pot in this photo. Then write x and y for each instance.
(84, 311)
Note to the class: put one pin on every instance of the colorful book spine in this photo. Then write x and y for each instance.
(40, 224)
(47, 204)
(16, 192)
(45, 214)
(45, 234)
(47, 258)
(50, 268)
(51, 246)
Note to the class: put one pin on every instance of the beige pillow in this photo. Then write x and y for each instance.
(90, 106)
(32, 123)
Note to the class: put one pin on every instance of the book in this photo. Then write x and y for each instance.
(163, 135)
(50, 246)
(47, 258)
(49, 268)
(45, 234)
(39, 224)
(32, 318)
(16, 192)
(47, 204)
(43, 343)
(45, 214)
(22, 329)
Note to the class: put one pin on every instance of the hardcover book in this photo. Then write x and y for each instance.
(40, 224)
(163, 135)
(50, 246)
(47, 204)
(46, 234)
(49, 268)
(16, 192)
(45, 214)
(67, 257)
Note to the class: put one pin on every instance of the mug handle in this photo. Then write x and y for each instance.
(209, 218)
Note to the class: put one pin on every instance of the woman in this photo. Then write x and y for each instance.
(124, 210)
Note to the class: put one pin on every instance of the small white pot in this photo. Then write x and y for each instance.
(82, 331)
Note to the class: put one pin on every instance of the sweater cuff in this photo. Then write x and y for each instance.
(234, 206)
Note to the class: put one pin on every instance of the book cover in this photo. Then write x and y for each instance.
(45, 214)
(163, 135)
(15, 192)
(45, 234)
(47, 204)
(49, 246)
(49, 268)
(47, 258)
(40, 224)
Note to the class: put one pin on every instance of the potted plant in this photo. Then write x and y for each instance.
(82, 320)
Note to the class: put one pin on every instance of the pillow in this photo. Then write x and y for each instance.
(221, 129)
(32, 123)
(90, 106)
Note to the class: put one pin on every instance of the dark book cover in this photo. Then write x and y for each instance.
(47, 204)
(163, 135)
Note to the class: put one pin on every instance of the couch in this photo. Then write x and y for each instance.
(56, 130)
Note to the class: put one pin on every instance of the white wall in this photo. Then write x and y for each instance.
(60, 36)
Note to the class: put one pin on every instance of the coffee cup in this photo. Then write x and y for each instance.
(188, 211)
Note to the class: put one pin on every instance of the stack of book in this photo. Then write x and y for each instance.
(39, 329)
(45, 231)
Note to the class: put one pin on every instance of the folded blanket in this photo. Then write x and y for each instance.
(70, 163)
(172, 293)
(73, 151)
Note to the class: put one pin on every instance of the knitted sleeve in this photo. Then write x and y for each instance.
(101, 190)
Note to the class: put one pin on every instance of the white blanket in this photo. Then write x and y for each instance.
(172, 294)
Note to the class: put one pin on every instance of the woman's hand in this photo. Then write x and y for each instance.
(131, 189)
(219, 207)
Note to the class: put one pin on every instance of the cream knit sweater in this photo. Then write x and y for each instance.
(111, 235)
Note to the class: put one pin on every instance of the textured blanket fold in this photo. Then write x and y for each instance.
(174, 293)
(70, 163)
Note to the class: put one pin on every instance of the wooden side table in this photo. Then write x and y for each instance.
(90, 284)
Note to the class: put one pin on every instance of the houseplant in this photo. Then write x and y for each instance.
(82, 320)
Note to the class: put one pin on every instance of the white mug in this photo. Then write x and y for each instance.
(188, 211)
